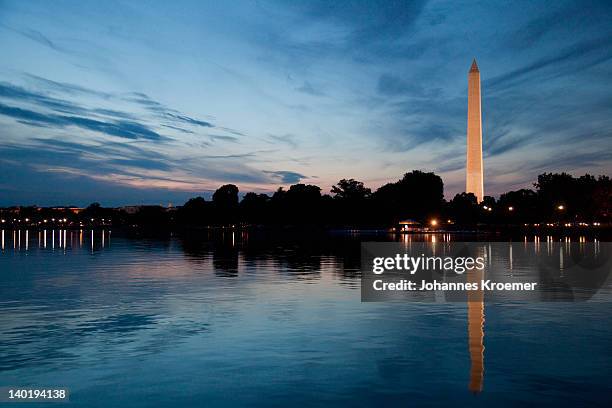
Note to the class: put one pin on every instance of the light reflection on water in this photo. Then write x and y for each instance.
(232, 319)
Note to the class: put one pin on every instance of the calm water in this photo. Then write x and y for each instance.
(238, 320)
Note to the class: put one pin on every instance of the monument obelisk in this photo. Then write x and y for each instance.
(474, 169)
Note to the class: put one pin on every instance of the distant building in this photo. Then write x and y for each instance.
(74, 210)
(130, 209)
(133, 209)
(409, 226)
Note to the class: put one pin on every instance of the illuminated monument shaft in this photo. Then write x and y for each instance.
(474, 169)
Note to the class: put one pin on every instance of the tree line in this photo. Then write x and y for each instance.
(418, 195)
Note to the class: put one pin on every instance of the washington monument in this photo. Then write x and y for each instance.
(474, 169)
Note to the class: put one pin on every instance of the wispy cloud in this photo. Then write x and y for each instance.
(36, 36)
(391, 85)
(309, 89)
(9, 91)
(165, 112)
(288, 177)
(66, 88)
(288, 139)
(123, 129)
(576, 57)
(224, 138)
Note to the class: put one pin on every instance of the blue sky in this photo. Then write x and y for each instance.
(155, 102)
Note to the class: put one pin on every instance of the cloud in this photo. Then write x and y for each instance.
(124, 129)
(571, 160)
(65, 87)
(289, 177)
(182, 130)
(288, 139)
(391, 85)
(232, 131)
(165, 112)
(117, 165)
(309, 89)
(366, 21)
(113, 113)
(422, 121)
(188, 120)
(579, 56)
(225, 138)
(142, 164)
(101, 158)
(38, 37)
(229, 156)
(503, 142)
(553, 22)
(12, 92)
(115, 123)
(22, 184)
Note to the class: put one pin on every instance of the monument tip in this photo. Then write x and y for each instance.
(474, 67)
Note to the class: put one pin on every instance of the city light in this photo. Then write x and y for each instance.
(434, 222)
(510, 208)
(560, 208)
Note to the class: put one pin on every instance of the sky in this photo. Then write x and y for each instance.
(156, 102)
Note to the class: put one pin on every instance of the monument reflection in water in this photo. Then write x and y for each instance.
(475, 306)
(236, 319)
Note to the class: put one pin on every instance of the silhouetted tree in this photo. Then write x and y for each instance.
(254, 208)
(351, 190)
(303, 204)
(351, 204)
(417, 195)
(519, 206)
(196, 211)
(151, 216)
(92, 210)
(602, 198)
(489, 201)
(582, 198)
(464, 209)
(225, 202)
(488, 213)
(555, 189)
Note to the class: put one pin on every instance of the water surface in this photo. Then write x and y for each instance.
(232, 319)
